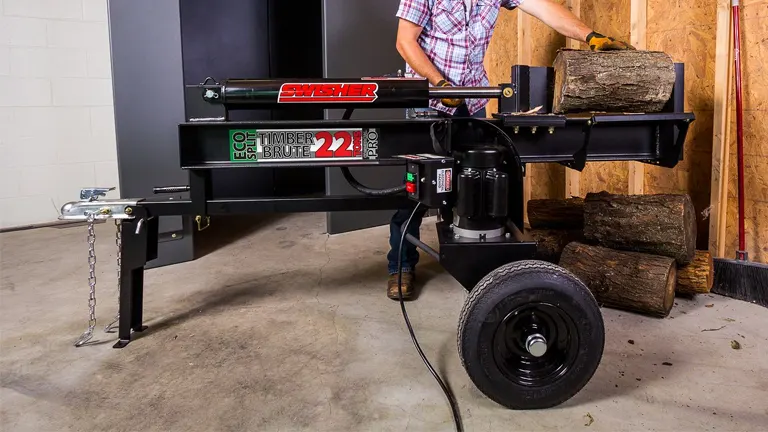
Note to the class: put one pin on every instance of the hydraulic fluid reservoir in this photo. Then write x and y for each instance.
(469, 191)
(496, 193)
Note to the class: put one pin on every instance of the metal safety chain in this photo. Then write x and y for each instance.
(88, 334)
(118, 242)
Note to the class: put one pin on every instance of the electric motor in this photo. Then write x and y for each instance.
(482, 190)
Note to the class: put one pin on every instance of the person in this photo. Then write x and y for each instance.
(445, 41)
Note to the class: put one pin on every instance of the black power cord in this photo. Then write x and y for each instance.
(451, 400)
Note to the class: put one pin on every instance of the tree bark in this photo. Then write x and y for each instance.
(613, 81)
(556, 213)
(631, 281)
(552, 242)
(696, 277)
(662, 224)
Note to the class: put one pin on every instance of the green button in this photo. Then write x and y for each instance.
(409, 177)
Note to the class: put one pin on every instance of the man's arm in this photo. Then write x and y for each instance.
(409, 48)
(558, 17)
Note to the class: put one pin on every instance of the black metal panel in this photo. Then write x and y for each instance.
(214, 40)
(296, 54)
(145, 37)
(359, 40)
(470, 260)
(542, 85)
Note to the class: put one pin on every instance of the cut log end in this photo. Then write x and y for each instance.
(556, 213)
(696, 277)
(669, 291)
(551, 242)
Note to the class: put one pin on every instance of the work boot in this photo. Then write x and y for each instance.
(407, 286)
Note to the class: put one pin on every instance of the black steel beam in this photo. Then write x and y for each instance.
(320, 203)
(569, 139)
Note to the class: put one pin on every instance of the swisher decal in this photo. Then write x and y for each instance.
(328, 92)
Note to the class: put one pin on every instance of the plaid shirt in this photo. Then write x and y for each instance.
(455, 45)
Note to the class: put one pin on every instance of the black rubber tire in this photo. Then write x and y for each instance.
(502, 291)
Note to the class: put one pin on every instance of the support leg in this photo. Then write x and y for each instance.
(137, 300)
(126, 307)
(135, 249)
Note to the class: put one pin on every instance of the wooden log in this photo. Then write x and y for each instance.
(551, 242)
(556, 213)
(661, 224)
(630, 281)
(696, 277)
(613, 81)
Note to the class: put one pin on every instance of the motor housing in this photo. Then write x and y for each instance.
(482, 194)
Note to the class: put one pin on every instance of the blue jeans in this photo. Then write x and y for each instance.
(410, 256)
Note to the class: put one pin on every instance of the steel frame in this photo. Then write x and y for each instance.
(542, 137)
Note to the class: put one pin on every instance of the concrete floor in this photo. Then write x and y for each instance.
(288, 329)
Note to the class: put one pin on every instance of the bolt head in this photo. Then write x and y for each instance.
(536, 345)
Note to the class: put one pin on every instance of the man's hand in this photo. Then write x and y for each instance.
(451, 103)
(598, 42)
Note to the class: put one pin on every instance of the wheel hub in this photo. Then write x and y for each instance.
(535, 344)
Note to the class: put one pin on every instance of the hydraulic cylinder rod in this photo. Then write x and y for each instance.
(337, 93)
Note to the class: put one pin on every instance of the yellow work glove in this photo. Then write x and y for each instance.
(451, 103)
(598, 42)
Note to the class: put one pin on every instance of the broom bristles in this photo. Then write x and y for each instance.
(741, 280)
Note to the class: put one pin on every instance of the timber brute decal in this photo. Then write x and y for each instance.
(303, 145)
(328, 92)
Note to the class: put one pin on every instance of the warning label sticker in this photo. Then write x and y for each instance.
(281, 145)
(444, 180)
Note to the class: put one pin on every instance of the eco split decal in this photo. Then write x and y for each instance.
(242, 145)
(328, 93)
(283, 145)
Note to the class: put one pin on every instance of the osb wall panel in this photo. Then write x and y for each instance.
(686, 30)
(502, 52)
(548, 180)
(611, 18)
(754, 52)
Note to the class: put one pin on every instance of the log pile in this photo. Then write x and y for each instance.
(634, 252)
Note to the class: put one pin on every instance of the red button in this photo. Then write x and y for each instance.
(410, 187)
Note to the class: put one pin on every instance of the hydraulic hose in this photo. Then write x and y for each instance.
(369, 191)
(359, 186)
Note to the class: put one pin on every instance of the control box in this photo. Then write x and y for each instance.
(429, 178)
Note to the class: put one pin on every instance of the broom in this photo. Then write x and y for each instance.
(740, 278)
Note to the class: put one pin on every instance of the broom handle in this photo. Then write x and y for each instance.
(741, 253)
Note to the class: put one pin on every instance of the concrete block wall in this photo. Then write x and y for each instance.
(57, 130)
